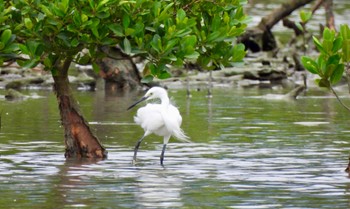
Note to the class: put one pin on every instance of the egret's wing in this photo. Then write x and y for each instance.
(173, 120)
(149, 117)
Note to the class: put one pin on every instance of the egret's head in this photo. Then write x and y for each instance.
(156, 92)
(153, 93)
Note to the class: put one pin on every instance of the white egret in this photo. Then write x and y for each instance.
(162, 119)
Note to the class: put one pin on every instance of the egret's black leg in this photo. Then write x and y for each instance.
(162, 155)
(137, 148)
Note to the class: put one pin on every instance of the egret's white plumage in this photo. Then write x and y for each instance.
(162, 119)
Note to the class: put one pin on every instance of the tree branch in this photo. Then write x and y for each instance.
(276, 15)
(340, 101)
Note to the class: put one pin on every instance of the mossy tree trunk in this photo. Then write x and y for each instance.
(79, 139)
(119, 71)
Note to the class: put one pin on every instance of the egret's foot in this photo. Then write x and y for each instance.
(134, 161)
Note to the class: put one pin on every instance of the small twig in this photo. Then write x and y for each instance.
(317, 6)
(187, 6)
(340, 101)
(347, 73)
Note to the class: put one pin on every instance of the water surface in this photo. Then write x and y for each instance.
(246, 152)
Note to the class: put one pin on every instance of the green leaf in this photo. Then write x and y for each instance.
(64, 36)
(74, 42)
(129, 31)
(46, 10)
(192, 56)
(334, 59)
(127, 46)
(24, 49)
(328, 34)
(337, 44)
(103, 15)
(95, 27)
(156, 8)
(309, 64)
(299, 26)
(327, 46)
(102, 3)
(318, 44)
(11, 48)
(189, 41)
(346, 50)
(156, 43)
(165, 13)
(164, 74)
(183, 33)
(321, 65)
(126, 21)
(170, 45)
(305, 16)
(238, 53)
(117, 29)
(6, 36)
(147, 79)
(345, 31)
(95, 67)
(84, 60)
(92, 4)
(64, 5)
(345, 34)
(28, 63)
(77, 18)
(28, 23)
(216, 23)
(240, 13)
(153, 68)
(337, 74)
(180, 16)
(84, 18)
(47, 62)
(215, 36)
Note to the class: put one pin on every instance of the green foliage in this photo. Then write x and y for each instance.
(164, 32)
(334, 54)
(305, 16)
(345, 34)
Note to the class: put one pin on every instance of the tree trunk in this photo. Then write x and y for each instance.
(328, 5)
(119, 71)
(283, 11)
(260, 37)
(79, 140)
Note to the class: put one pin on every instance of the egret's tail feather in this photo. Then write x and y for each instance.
(180, 134)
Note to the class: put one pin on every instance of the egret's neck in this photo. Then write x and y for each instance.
(165, 100)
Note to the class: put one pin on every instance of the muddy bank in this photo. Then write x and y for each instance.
(14, 77)
(257, 70)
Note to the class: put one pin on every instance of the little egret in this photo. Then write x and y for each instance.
(161, 119)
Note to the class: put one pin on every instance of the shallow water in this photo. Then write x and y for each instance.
(246, 152)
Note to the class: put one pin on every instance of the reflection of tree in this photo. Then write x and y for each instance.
(210, 114)
(199, 116)
(69, 180)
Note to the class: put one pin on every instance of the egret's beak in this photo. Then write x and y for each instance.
(133, 105)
